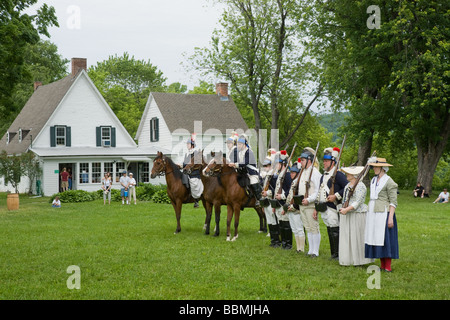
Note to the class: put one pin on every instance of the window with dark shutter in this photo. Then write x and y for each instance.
(154, 129)
(106, 136)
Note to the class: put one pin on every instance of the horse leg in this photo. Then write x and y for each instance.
(229, 218)
(208, 209)
(217, 216)
(177, 206)
(237, 214)
(262, 220)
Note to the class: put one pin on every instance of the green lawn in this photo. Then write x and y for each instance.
(131, 252)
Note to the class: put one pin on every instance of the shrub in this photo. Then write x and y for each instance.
(71, 196)
(161, 196)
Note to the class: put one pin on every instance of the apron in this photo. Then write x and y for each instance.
(376, 221)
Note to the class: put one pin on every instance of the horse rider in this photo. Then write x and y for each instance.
(195, 182)
(307, 207)
(328, 203)
(280, 194)
(243, 159)
(231, 145)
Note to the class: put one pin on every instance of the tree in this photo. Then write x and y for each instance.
(394, 79)
(11, 169)
(257, 50)
(126, 83)
(17, 30)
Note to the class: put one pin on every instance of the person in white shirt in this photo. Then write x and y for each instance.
(124, 183)
(443, 197)
(56, 203)
(132, 188)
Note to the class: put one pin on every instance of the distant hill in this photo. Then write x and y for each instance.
(332, 122)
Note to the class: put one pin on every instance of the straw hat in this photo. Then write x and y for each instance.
(378, 162)
(352, 170)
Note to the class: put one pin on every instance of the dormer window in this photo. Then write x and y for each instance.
(7, 137)
(20, 135)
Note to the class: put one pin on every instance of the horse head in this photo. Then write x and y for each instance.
(196, 163)
(215, 165)
(159, 166)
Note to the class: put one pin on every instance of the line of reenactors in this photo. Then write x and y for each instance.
(294, 195)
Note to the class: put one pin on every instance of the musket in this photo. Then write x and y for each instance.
(361, 175)
(272, 170)
(308, 182)
(283, 174)
(333, 177)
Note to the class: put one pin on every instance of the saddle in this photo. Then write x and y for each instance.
(185, 180)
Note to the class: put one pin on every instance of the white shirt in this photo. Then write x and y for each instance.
(132, 182)
(443, 195)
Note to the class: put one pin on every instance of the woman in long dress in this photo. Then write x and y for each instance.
(353, 221)
(381, 236)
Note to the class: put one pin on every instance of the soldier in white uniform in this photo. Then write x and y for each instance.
(280, 194)
(293, 210)
(329, 204)
(307, 206)
(273, 169)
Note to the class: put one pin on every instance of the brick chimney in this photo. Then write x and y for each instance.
(222, 90)
(37, 84)
(78, 64)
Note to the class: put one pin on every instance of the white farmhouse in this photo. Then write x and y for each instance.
(68, 124)
(169, 119)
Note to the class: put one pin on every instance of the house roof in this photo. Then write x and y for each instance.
(34, 115)
(181, 110)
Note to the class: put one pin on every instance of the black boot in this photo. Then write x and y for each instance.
(274, 236)
(256, 190)
(331, 239)
(334, 232)
(286, 235)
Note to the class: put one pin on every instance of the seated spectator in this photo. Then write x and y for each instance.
(443, 197)
(419, 191)
(56, 203)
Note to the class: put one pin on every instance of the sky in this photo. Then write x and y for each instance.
(162, 31)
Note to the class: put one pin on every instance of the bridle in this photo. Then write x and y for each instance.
(164, 171)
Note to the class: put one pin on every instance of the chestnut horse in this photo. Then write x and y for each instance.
(213, 192)
(176, 190)
(236, 196)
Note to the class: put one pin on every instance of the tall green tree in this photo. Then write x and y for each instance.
(393, 77)
(126, 83)
(257, 49)
(18, 30)
(43, 63)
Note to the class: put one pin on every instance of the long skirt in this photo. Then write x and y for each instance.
(390, 247)
(351, 239)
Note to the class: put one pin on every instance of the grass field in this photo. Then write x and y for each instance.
(131, 252)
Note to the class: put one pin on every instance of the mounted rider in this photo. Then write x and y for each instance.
(195, 182)
(243, 159)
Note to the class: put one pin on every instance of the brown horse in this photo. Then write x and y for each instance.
(236, 196)
(176, 190)
(213, 192)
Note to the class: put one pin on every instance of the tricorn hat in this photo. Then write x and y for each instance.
(331, 154)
